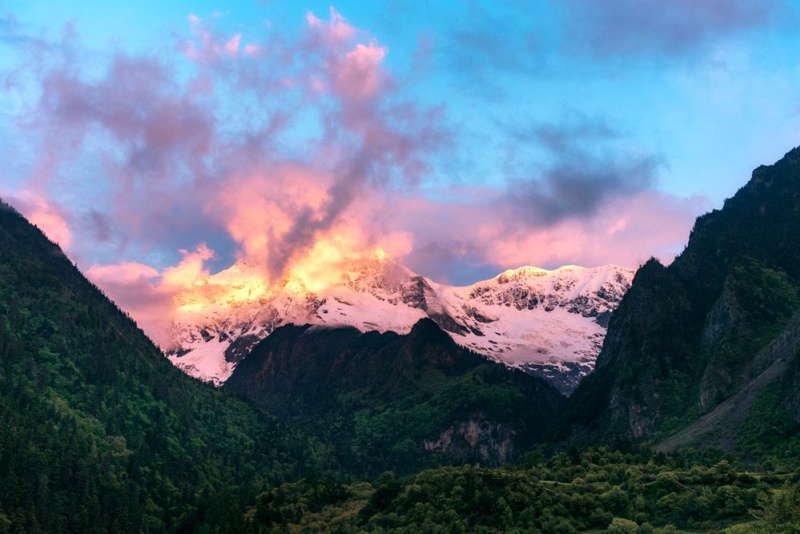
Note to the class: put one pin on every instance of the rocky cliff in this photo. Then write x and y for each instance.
(692, 335)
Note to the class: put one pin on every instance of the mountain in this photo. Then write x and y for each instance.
(549, 323)
(400, 402)
(708, 346)
(100, 432)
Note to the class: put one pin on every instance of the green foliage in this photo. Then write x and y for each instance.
(769, 435)
(689, 336)
(622, 526)
(291, 502)
(782, 512)
(100, 431)
(596, 490)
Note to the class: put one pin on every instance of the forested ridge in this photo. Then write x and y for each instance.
(400, 402)
(720, 321)
(99, 431)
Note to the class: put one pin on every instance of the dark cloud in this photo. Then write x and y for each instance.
(580, 189)
(644, 27)
(98, 225)
(586, 165)
(478, 42)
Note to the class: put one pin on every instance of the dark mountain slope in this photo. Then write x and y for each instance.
(99, 431)
(388, 401)
(688, 336)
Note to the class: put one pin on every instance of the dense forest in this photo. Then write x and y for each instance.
(597, 490)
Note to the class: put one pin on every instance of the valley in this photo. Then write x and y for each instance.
(688, 420)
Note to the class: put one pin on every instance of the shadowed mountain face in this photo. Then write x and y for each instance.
(397, 401)
(99, 431)
(689, 336)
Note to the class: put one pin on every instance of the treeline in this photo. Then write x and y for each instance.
(597, 490)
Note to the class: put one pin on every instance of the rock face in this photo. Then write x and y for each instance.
(490, 443)
(548, 323)
(407, 401)
(689, 336)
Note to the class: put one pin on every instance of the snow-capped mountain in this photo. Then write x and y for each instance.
(550, 323)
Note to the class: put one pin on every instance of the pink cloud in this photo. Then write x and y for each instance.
(126, 273)
(623, 231)
(261, 207)
(191, 269)
(47, 215)
(221, 157)
(252, 50)
(207, 45)
(149, 296)
(136, 288)
(335, 31)
(232, 45)
(359, 77)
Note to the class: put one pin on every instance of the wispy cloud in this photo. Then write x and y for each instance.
(644, 28)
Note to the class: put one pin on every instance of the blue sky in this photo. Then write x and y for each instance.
(462, 137)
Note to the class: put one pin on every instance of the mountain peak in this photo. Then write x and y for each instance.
(527, 317)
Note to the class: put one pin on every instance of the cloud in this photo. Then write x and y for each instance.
(336, 31)
(47, 215)
(653, 27)
(139, 289)
(157, 159)
(207, 46)
(177, 148)
(126, 273)
(191, 269)
(585, 164)
(294, 155)
(14, 34)
(485, 44)
(460, 242)
(625, 231)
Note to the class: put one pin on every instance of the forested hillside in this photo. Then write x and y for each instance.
(99, 431)
(399, 402)
(714, 327)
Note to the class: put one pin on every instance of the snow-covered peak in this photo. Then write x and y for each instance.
(522, 273)
(588, 291)
(522, 317)
(375, 272)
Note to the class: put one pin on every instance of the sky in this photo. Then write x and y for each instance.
(161, 142)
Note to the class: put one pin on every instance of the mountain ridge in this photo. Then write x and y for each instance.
(99, 431)
(538, 320)
(688, 337)
(402, 400)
